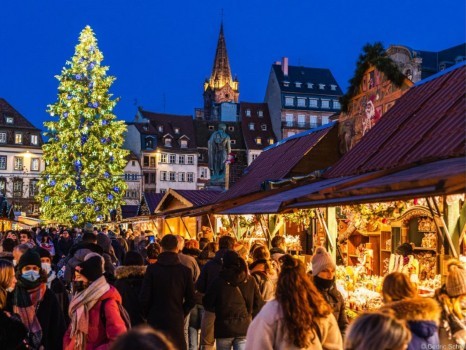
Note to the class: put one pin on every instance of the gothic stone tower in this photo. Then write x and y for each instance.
(220, 87)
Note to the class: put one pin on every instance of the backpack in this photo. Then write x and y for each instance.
(123, 313)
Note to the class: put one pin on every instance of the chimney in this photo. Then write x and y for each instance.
(285, 66)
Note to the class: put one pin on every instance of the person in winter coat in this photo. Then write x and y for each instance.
(234, 298)
(96, 319)
(64, 244)
(167, 294)
(298, 317)
(263, 272)
(13, 334)
(452, 298)
(377, 330)
(421, 314)
(37, 305)
(128, 282)
(323, 276)
(209, 273)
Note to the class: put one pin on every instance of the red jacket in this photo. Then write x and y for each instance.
(100, 336)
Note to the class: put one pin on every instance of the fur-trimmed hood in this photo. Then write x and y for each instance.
(416, 309)
(130, 271)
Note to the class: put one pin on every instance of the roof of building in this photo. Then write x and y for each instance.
(152, 200)
(426, 124)
(177, 126)
(221, 72)
(144, 128)
(277, 161)
(189, 198)
(205, 128)
(262, 125)
(129, 211)
(131, 156)
(305, 75)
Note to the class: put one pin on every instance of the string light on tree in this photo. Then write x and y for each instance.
(83, 180)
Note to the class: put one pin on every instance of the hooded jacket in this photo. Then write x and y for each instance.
(101, 334)
(210, 272)
(422, 316)
(129, 283)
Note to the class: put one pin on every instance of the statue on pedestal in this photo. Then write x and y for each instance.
(219, 148)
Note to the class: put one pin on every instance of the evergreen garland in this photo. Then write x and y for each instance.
(372, 55)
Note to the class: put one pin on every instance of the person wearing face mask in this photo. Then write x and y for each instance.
(54, 283)
(323, 276)
(96, 319)
(37, 305)
(13, 333)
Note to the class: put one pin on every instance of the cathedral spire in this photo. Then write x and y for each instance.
(221, 72)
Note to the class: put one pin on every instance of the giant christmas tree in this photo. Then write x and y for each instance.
(83, 179)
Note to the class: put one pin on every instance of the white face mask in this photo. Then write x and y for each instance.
(46, 267)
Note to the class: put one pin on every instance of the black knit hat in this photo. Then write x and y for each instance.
(91, 268)
(43, 253)
(30, 257)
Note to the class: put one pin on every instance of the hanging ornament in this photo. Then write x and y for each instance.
(46, 198)
(69, 97)
(83, 139)
(91, 85)
(104, 122)
(116, 189)
(78, 165)
(110, 196)
(74, 217)
(53, 183)
(91, 66)
(89, 200)
(64, 146)
(106, 175)
(103, 140)
(78, 76)
(111, 158)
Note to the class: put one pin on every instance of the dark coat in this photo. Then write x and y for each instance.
(129, 283)
(58, 288)
(235, 298)
(422, 316)
(12, 332)
(63, 246)
(210, 272)
(167, 296)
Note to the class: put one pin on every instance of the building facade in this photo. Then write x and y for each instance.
(300, 98)
(134, 180)
(20, 160)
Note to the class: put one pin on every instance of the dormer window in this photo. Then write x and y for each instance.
(298, 84)
(177, 130)
(34, 139)
(9, 119)
(260, 113)
(333, 87)
(184, 143)
(231, 128)
(321, 86)
(259, 140)
(248, 112)
(310, 85)
(160, 128)
(264, 127)
(149, 142)
(251, 126)
(271, 141)
(18, 137)
(286, 83)
(233, 142)
(211, 127)
(168, 142)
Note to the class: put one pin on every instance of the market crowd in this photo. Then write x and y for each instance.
(89, 288)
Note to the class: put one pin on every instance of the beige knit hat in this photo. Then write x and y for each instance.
(456, 279)
(322, 260)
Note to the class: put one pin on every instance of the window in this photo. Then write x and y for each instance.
(163, 176)
(2, 137)
(3, 162)
(152, 162)
(264, 127)
(289, 101)
(146, 178)
(9, 120)
(17, 188)
(18, 163)
(184, 143)
(172, 175)
(33, 188)
(133, 163)
(181, 159)
(301, 120)
(259, 140)
(325, 104)
(181, 177)
(336, 104)
(34, 140)
(149, 142)
(18, 137)
(301, 102)
(321, 86)
(203, 174)
(298, 85)
(168, 142)
(286, 83)
(163, 190)
(260, 113)
(313, 121)
(324, 120)
(251, 126)
(312, 102)
(190, 177)
(248, 112)
(191, 160)
(333, 87)
(271, 141)
(310, 85)
(231, 128)
(172, 159)
(289, 119)
(177, 130)
(160, 128)
(254, 156)
(163, 158)
(35, 164)
(211, 127)
(146, 161)
(152, 178)
(3, 186)
(290, 133)
(233, 142)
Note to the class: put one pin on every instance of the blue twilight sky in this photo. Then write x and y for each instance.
(162, 51)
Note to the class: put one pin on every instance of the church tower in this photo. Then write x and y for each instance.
(220, 87)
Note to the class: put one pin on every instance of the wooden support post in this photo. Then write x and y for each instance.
(186, 227)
